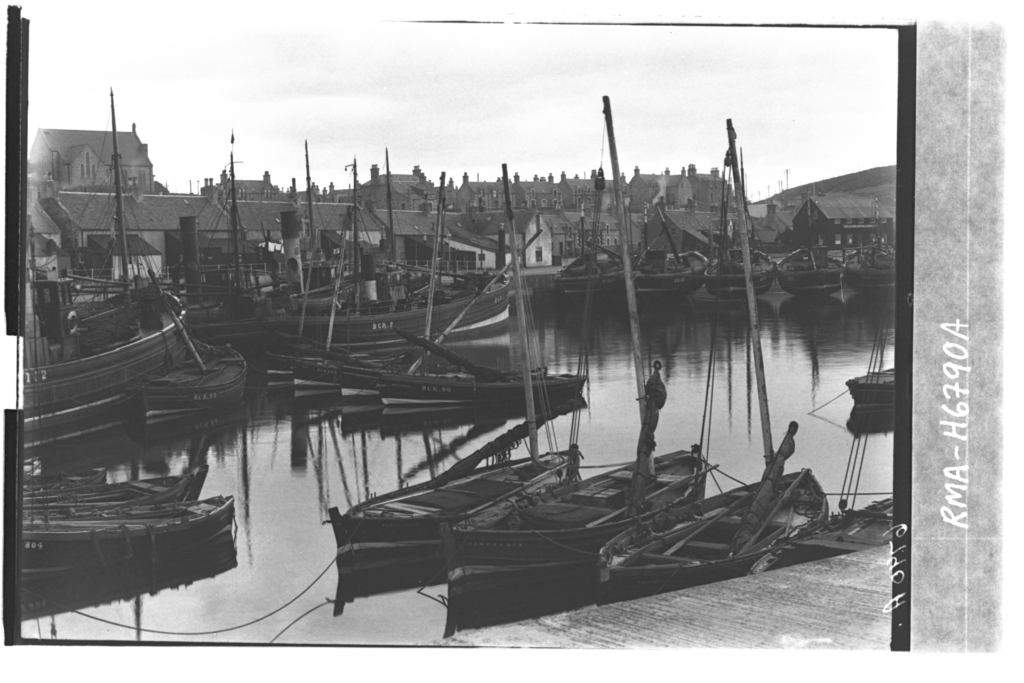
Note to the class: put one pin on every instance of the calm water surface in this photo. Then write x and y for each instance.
(286, 459)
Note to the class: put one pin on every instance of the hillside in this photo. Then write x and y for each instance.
(874, 182)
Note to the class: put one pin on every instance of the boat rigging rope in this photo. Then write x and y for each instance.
(191, 633)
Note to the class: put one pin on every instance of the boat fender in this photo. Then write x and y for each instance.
(71, 323)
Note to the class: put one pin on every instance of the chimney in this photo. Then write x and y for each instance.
(374, 174)
(667, 172)
(451, 183)
(636, 171)
(133, 130)
(714, 172)
(563, 176)
(223, 177)
(771, 208)
(593, 174)
(515, 178)
(465, 178)
(551, 178)
(536, 179)
(418, 173)
(691, 171)
(332, 188)
(266, 177)
(294, 189)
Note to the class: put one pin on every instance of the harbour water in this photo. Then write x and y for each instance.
(288, 458)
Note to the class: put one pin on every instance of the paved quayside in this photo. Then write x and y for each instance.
(830, 604)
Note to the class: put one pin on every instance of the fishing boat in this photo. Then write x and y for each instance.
(724, 278)
(151, 491)
(679, 275)
(871, 269)
(55, 541)
(391, 541)
(592, 270)
(874, 389)
(323, 373)
(848, 531)
(53, 593)
(871, 419)
(84, 357)
(59, 480)
(810, 271)
(735, 532)
(548, 544)
(216, 383)
(699, 544)
(403, 390)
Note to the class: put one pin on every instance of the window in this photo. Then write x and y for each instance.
(838, 222)
(544, 203)
(81, 170)
(839, 239)
(481, 257)
(540, 254)
(849, 238)
(821, 241)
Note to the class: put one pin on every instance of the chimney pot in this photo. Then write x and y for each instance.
(515, 178)
(551, 178)
(636, 171)
(563, 175)
(691, 170)
(266, 177)
(667, 172)
(535, 179)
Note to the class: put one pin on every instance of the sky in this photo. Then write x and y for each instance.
(459, 98)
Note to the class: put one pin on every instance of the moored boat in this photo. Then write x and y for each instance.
(54, 541)
(397, 390)
(191, 388)
(594, 271)
(152, 491)
(847, 532)
(874, 388)
(679, 275)
(323, 374)
(59, 480)
(871, 269)
(724, 278)
(810, 272)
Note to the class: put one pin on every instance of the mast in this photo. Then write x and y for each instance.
(531, 414)
(434, 260)
(755, 330)
(634, 326)
(355, 229)
(234, 217)
(122, 237)
(314, 243)
(392, 250)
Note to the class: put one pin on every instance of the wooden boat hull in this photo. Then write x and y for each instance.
(821, 282)
(665, 284)
(703, 562)
(61, 480)
(874, 389)
(194, 392)
(849, 532)
(102, 541)
(410, 390)
(67, 399)
(733, 286)
(154, 491)
(612, 282)
(865, 279)
(325, 375)
(54, 593)
(371, 330)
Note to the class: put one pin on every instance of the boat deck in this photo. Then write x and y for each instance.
(829, 604)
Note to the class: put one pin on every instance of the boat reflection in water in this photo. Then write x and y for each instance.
(58, 593)
(871, 419)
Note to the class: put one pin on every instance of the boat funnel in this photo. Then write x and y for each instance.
(369, 274)
(291, 237)
(189, 259)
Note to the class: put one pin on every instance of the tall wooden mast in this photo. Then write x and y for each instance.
(627, 262)
(314, 242)
(122, 237)
(392, 249)
(521, 321)
(755, 329)
(234, 218)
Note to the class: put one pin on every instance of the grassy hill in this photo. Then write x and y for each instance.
(874, 182)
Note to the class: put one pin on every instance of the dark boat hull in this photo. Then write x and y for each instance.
(324, 375)
(370, 330)
(410, 390)
(821, 282)
(873, 389)
(601, 283)
(870, 280)
(655, 284)
(184, 392)
(59, 546)
(733, 286)
(104, 496)
(67, 399)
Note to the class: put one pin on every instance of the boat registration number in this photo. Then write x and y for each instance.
(35, 376)
(204, 397)
(383, 326)
(33, 545)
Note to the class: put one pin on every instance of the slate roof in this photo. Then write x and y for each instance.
(136, 245)
(95, 212)
(101, 142)
(834, 206)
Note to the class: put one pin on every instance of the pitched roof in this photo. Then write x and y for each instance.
(487, 223)
(136, 245)
(95, 212)
(101, 142)
(849, 206)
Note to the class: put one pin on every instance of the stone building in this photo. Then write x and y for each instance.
(842, 221)
(83, 160)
